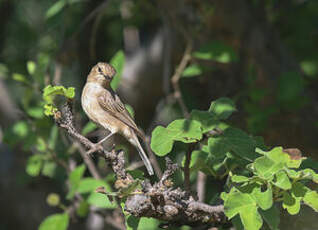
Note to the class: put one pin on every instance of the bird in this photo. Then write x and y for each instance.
(103, 106)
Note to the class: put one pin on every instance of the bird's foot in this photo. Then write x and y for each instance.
(95, 148)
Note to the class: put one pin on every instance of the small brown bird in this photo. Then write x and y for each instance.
(104, 107)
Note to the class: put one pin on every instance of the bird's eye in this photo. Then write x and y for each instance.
(100, 70)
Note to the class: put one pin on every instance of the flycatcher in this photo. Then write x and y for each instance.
(104, 107)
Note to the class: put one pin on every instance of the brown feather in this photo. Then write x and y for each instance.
(111, 103)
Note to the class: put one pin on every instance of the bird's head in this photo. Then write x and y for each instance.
(102, 73)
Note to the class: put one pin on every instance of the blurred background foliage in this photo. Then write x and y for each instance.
(263, 54)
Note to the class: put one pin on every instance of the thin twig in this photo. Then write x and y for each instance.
(88, 161)
(177, 75)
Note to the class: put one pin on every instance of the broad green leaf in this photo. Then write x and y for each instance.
(207, 120)
(179, 130)
(263, 199)
(34, 165)
(55, 222)
(117, 61)
(244, 205)
(161, 144)
(236, 201)
(100, 200)
(266, 168)
(192, 71)
(291, 203)
(222, 108)
(90, 184)
(31, 66)
(311, 199)
(282, 180)
(271, 217)
(233, 140)
(251, 219)
(89, 127)
(216, 51)
(74, 180)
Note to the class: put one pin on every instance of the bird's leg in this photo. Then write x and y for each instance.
(98, 145)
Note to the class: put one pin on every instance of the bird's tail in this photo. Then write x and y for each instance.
(144, 157)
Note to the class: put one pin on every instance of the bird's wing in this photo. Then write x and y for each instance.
(112, 104)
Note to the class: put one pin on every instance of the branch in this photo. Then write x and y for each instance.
(177, 75)
(159, 200)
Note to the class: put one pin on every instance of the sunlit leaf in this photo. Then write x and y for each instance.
(192, 71)
(55, 222)
(178, 130)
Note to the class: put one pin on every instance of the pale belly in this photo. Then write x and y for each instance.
(94, 111)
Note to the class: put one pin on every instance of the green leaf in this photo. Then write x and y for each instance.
(179, 130)
(216, 51)
(117, 61)
(207, 120)
(148, 224)
(20, 78)
(100, 200)
(31, 66)
(309, 68)
(192, 71)
(55, 8)
(49, 92)
(74, 180)
(222, 108)
(239, 179)
(244, 205)
(271, 217)
(55, 222)
(83, 209)
(263, 199)
(49, 169)
(89, 127)
(311, 199)
(49, 110)
(90, 184)
(35, 112)
(282, 180)
(272, 162)
(34, 165)
(291, 203)
(233, 140)
(21, 129)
